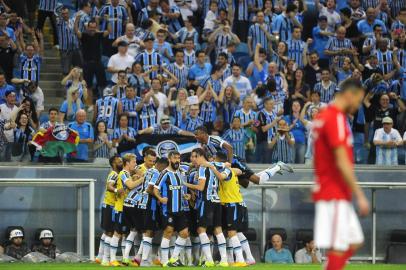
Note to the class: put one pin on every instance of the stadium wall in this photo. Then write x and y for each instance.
(34, 207)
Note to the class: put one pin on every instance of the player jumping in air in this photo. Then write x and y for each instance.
(214, 144)
(337, 227)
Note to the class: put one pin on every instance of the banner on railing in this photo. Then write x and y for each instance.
(163, 144)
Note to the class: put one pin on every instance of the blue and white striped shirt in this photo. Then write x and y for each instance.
(326, 92)
(147, 116)
(117, 17)
(245, 117)
(334, 44)
(295, 51)
(240, 8)
(190, 124)
(190, 58)
(67, 38)
(282, 151)
(175, 24)
(30, 67)
(208, 111)
(47, 5)
(129, 107)
(149, 60)
(215, 84)
(181, 73)
(257, 35)
(283, 27)
(170, 186)
(237, 139)
(183, 34)
(385, 61)
(107, 110)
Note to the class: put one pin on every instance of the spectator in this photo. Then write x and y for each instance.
(162, 47)
(326, 87)
(240, 82)
(298, 131)
(280, 56)
(52, 119)
(365, 26)
(208, 107)
(83, 16)
(70, 106)
(339, 46)
(190, 54)
(28, 107)
(107, 109)
(68, 42)
(282, 26)
(119, 61)
(282, 143)
(297, 48)
(309, 253)
(156, 87)
(214, 80)
(91, 39)
(147, 110)
(112, 17)
(192, 119)
(238, 137)
(241, 19)
(102, 144)
(129, 103)
(179, 107)
(333, 18)
(46, 10)
(30, 59)
(188, 31)
(259, 33)
(34, 92)
(229, 100)
(387, 140)
(200, 69)
(222, 37)
(256, 69)
(134, 42)
(165, 128)
(150, 60)
(278, 254)
(308, 124)
(146, 12)
(211, 19)
(23, 134)
(124, 136)
(75, 79)
(5, 87)
(187, 8)
(171, 16)
(86, 137)
(247, 114)
(321, 35)
(138, 78)
(119, 89)
(8, 48)
(299, 90)
(16, 247)
(370, 42)
(180, 70)
(7, 110)
(312, 70)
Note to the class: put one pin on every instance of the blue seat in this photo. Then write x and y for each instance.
(242, 47)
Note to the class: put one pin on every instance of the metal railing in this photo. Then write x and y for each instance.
(373, 186)
(79, 184)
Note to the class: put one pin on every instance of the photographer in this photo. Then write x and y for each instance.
(282, 144)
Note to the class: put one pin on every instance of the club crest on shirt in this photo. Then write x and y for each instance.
(164, 147)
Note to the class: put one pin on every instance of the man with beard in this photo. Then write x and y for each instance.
(107, 213)
(169, 192)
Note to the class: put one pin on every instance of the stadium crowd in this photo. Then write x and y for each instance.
(242, 69)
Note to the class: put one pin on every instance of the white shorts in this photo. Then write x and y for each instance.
(336, 225)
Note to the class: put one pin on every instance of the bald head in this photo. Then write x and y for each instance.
(277, 242)
(341, 31)
(80, 116)
(129, 30)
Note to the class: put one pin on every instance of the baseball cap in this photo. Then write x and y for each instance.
(387, 120)
(122, 43)
(165, 120)
(149, 38)
(322, 18)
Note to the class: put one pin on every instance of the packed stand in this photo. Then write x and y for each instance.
(254, 72)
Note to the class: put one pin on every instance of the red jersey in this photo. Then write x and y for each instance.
(330, 130)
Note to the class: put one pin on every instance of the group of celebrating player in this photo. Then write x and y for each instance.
(199, 202)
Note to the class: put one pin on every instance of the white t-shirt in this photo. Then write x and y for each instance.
(119, 62)
(333, 19)
(241, 84)
(209, 20)
(163, 103)
(6, 115)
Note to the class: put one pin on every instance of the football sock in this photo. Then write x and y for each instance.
(172, 245)
(245, 246)
(205, 244)
(137, 245)
(180, 244)
(221, 244)
(101, 246)
(266, 175)
(146, 247)
(189, 257)
(196, 248)
(235, 242)
(113, 247)
(129, 241)
(230, 253)
(106, 254)
(164, 250)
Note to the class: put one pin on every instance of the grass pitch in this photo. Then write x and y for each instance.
(92, 266)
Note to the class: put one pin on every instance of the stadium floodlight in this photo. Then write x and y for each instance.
(79, 184)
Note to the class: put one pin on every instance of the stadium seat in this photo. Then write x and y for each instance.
(242, 47)
(301, 235)
(395, 253)
(251, 234)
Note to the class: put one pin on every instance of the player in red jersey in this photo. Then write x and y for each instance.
(337, 227)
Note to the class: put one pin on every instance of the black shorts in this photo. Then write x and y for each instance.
(107, 218)
(132, 218)
(209, 215)
(119, 225)
(176, 220)
(231, 216)
(149, 220)
(240, 164)
(244, 218)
